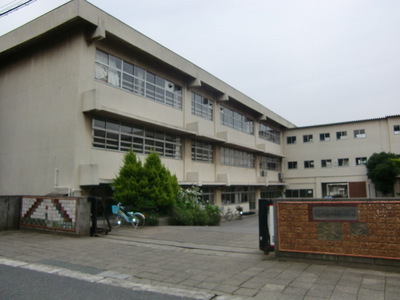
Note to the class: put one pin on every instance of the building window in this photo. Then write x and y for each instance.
(325, 137)
(270, 163)
(236, 120)
(341, 135)
(202, 151)
(396, 129)
(121, 74)
(291, 140)
(307, 138)
(202, 107)
(292, 164)
(267, 133)
(343, 162)
(359, 134)
(115, 135)
(308, 164)
(236, 195)
(237, 158)
(302, 193)
(269, 192)
(361, 161)
(207, 195)
(326, 163)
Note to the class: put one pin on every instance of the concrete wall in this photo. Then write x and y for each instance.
(339, 230)
(10, 208)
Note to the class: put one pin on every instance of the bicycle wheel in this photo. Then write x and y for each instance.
(238, 215)
(139, 219)
(116, 221)
(228, 216)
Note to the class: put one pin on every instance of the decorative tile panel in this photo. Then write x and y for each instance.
(54, 213)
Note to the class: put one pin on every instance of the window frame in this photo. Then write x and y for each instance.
(142, 82)
(202, 151)
(359, 133)
(341, 135)
(307, 138)
(291, 140)
(202, 107)
(236, 120)
(325, 137)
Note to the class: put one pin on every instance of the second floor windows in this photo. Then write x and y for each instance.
(308, 164)
(202, 107)
(236, 120)
(343, 162)
(270, 163)
(119, 73)
(202, 151)
(114, 135)
(237, 158)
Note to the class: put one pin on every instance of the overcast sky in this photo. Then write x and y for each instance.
(310, 61)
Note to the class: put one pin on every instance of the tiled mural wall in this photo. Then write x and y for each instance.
(51, 213)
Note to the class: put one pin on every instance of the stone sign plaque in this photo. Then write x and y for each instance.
(334, 213)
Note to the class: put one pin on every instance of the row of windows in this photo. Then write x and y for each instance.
(326, 137)
(119, 73)
(131, 78)
(121, 136)
(236, 120)
(340, 135)
(327, 163)
(114, 135)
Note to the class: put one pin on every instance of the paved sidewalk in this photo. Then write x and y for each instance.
(197, 262)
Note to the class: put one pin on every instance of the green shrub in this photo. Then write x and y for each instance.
(189, 210)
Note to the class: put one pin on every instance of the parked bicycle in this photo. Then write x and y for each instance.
(136, 219)
(239, 212)
(228, 215)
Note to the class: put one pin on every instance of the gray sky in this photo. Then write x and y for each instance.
(310, 61)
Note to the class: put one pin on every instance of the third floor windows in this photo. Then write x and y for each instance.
(236, 120)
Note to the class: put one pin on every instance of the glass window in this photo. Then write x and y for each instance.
(302, 193)
(359, 134)
(114, 71)
(236, 120)
(202, 107)
(291, 140)
(237, 158)
(341, 135)
(270, 163)
(111, 134)
(325, 137)
(396, 129)
(237, 195)
(292, 164)
(270, 134)
(343, 162)
(308, 164)
(202, 151)
(308, 138)
(326, 163)
(361, 161)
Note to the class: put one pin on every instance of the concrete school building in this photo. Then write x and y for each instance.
(78, 88)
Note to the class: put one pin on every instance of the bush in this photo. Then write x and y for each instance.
(189, 210)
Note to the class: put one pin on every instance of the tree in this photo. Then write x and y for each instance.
(160, 188)
(382, 169)
(147, 188)
(126, 184)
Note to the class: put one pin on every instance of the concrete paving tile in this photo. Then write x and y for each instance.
(373, 284)
(246, 292)
(295, 291)
(254, 283)
(271, 287)
(268, 295)
(226, 288)
(346, 289)
(336, 295)
(368, 294)
(320, 291)
(301, 284)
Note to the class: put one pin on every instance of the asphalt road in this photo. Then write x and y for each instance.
(21, 284)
